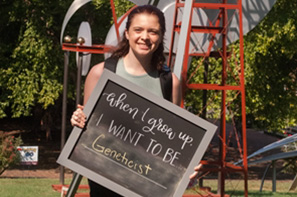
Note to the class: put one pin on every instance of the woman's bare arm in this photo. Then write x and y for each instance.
(176, 90)
(78, 117)
(92, 79)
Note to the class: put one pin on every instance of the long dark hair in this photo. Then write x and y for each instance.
(158, 57)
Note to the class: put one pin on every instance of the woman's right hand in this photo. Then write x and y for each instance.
(78, 117)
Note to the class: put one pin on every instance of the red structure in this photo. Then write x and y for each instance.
(220, 26)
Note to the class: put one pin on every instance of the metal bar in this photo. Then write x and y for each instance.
(183, 38)
(186, 50)
(201, 29)
(234, 167)
(273, 176)
(180, 66)
(263, 178)
(64, 110)
(224, 5)
(78, 79)
(215, 169)
(213, 5)
(221, 180)
(199, 54)
(115, 21)
(206, 162)
(212, 87)
(211, 42)
(275, 157)
(294, 184)
(97, 49)
(155, 3)
(273, 145)
(74, 185)
(204, 96)
(169, 61)
(243, 102)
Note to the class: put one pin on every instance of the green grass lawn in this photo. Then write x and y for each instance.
(30, 187)
(27, 187)
(236, 188)
(43, 188)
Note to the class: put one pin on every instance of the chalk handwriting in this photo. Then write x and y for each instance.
(119, 103)
(152, 124)
(124, 134)
(186, 138)
(159, 126)
(120, 157)
(170, 155)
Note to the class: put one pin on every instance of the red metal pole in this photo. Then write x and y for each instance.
(169, 61)
(115, 20)
(223, 104)
(243, 104)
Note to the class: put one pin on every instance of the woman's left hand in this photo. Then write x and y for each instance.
(78, 117)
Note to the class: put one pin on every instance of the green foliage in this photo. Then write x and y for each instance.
(9, 154)
(121, 6)
(271, 55)
(289, 164)
(31, 65)
(209, 71)
(194, 97)
(33, 75)
(31, 72)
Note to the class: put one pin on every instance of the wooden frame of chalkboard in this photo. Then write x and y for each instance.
(134, 142)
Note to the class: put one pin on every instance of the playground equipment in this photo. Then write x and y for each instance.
(272, 158)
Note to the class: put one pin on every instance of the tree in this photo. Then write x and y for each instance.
(31, 56)
(31, 74)
(271, 55)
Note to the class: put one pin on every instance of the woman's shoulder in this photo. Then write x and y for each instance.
(96, 70)
(98, 67)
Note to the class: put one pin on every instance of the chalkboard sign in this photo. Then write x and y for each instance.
(136, 143)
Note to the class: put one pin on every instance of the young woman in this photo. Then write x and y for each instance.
(141, 59)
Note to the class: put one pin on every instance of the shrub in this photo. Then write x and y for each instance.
(9, 154)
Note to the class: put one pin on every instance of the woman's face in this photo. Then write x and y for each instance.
(144, 34)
